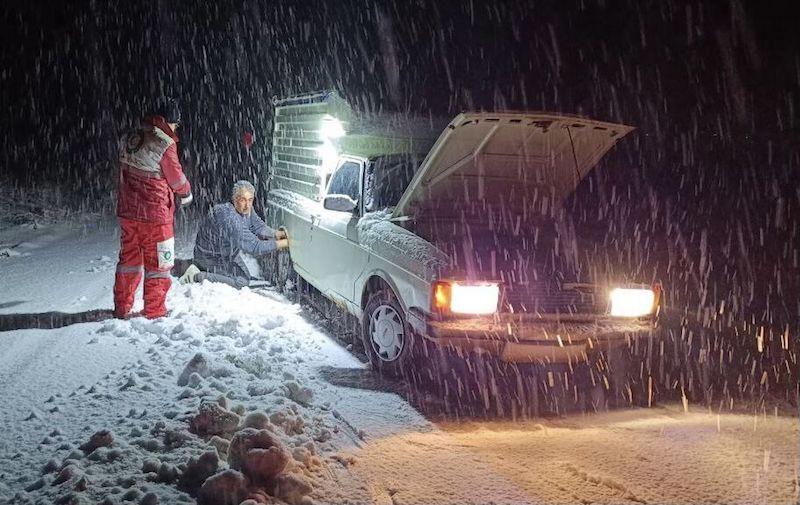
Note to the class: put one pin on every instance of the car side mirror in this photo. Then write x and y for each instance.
(340, 203)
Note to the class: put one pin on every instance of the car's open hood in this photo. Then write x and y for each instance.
(509, 149)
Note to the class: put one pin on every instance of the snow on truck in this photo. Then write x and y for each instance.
(446, 235)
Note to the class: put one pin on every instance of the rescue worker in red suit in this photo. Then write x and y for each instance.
(150, 176)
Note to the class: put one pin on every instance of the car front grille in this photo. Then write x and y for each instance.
(549, 298)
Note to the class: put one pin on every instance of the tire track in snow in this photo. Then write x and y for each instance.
(51, 320)
(13, 364)
(614, 486)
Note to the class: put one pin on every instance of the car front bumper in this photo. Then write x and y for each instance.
(527, 338)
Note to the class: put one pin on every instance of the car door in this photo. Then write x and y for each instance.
(294, 212)
(339, 259)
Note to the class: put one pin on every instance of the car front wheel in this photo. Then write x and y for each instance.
(387, 338)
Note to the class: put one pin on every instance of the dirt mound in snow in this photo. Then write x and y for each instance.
(260, 463)
(258, 453)
(212, 419)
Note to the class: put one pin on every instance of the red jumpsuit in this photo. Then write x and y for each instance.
(150, 174)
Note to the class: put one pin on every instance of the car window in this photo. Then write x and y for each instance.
(345, 180)
(386, 179)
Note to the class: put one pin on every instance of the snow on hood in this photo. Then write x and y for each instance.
(378, 233)
(292, 200)
(478, 149)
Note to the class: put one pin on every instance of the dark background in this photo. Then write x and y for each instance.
(702, 197)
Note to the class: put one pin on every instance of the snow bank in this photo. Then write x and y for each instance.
(225, 361)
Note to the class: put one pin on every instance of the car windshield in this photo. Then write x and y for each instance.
(386, 180)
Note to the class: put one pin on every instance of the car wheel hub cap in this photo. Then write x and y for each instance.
(387, 333)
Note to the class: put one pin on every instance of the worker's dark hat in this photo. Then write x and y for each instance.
(168, 108)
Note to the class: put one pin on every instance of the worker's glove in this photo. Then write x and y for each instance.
(282, 244)
(280, 234)
(186, 200)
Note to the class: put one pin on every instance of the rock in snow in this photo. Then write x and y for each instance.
(257, 420)
(167, 473)
(291, 423)
(149, 499)
(292, 488)
(37, 484)
(212, 419)
(50, 467)
(198, 470)
(66, 474)
(225, 488)
(102, 438)
(298, 393)
(260, 454)
(150, 465)
(221, 445)
(199, 365)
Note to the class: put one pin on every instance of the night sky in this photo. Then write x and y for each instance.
(77, 73)
(703, 196)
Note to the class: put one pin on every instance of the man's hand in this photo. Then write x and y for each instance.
(282, 244)
(280, 234)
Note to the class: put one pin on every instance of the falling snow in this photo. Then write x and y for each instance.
(702, 198)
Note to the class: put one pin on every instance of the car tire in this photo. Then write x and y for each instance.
(286, 278)
(620, 385)
(388, 339)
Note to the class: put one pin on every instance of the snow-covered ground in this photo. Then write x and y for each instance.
(262, 364)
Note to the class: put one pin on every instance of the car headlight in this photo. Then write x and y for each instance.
(462, 298)
(630, 302)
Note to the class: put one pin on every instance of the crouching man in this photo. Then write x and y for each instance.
(226, 234)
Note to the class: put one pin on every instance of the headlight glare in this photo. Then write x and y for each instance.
(629, 302)
(458, 298)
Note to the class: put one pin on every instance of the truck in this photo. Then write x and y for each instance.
(447, 234)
